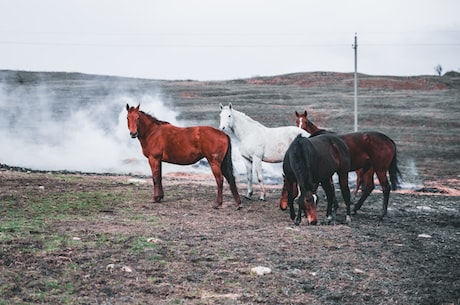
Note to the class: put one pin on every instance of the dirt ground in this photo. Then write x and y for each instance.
(181, 251)
(76, 238)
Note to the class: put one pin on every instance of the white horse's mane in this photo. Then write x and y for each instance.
(248, 118)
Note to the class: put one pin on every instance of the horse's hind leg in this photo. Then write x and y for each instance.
(345, 190)
(330, 195)
(382, 176)
(227, 171)
(248, 165)
(368, 187)
(217, 172)
(258, 165)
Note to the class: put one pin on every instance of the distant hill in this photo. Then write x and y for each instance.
(303, 79)
(320, 79)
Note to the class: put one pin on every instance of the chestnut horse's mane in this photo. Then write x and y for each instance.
(153, 119)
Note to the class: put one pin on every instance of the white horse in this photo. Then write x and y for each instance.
(257, 142)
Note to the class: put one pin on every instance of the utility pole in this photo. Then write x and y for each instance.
(355, 47)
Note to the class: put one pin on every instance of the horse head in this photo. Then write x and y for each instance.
(226, 117)
(301, 120)
(133, 120)
(309, 201)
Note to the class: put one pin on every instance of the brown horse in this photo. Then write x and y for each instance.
(162, 141)
(370, 152)
(310, 161)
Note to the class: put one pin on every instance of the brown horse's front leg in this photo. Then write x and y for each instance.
(155, 166)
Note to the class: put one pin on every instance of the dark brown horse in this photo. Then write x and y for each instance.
(162, 141)
(310, 161)
(370, 152)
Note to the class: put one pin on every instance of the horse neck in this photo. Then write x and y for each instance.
(244, 125)
(147, 125)
(312, 128)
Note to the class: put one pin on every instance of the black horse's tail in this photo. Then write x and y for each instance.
(227, 165)
(301, 164)
(395, 174)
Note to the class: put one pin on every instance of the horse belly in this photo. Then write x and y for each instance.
(276, 152)
(182, 157)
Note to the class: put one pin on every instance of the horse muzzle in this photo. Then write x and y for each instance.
(134, 134)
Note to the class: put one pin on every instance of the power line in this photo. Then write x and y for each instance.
(223, 45)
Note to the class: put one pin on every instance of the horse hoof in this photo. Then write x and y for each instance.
(216, 205)
(314, 222)
(247, 197)
(239, 207)
(348, 220)
(157, 198)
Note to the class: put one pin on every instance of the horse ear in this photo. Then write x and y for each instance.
(137, 108)
(306, 114)
(221, 106)
(230, 105)
(127, 107)
(297, 114)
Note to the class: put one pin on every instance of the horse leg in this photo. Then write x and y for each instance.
(328, 188)
(217, 172)
(226, 167)
(382, 176)
(258, 164)
(248, 165)
(290, 198)
(155, 166)
(368, 187)
(359, 174)
(345, 190)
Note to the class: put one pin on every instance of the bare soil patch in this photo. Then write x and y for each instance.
(75, 238)
(182, 251)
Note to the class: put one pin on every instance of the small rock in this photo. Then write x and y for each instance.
(260, 270)
(154, 240)
(423, 235)
(136, 181)
(110, 267)
(127, 269)
(41, 188)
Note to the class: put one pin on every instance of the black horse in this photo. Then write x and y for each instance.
(310, 161)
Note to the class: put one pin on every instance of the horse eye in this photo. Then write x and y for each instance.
(229, 115)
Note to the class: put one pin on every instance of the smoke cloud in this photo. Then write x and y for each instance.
(38, 131)
(65, 127)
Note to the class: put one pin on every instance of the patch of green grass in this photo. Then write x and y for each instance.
(141, 244)
(81, 203)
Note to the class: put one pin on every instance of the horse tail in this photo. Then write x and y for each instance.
(301, 165)
(395, 174)
(227, 164)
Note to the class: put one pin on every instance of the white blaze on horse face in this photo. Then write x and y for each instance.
(300, 123)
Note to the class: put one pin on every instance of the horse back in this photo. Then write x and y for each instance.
(187, 145)
(370, 146)
(332, 154)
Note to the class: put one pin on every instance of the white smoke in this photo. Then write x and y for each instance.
(41, 133)
(41, 130)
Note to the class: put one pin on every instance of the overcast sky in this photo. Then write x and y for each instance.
(217, 40)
